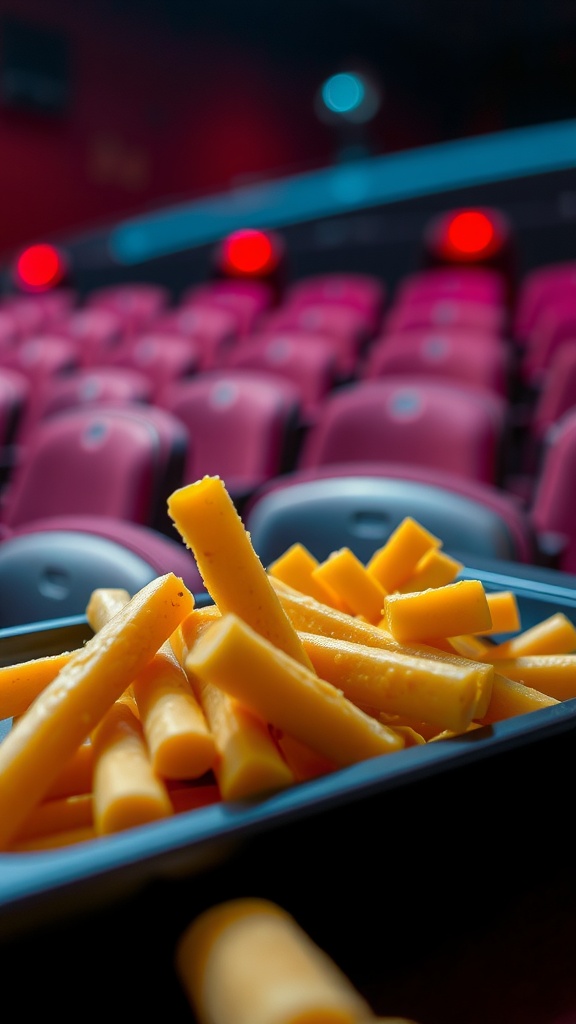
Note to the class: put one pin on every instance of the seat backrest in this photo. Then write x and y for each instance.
(161, 358)
(86, 386)
(309, 361)
(468, 356)
(552, 501)
(243, 426)
(106, 459)
(423, 421)
(358, 506)
(48, 568)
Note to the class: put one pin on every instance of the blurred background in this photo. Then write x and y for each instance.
(110, 107)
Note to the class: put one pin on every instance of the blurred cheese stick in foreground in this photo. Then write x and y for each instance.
(232, 656)
(248, 961)
(206, 519)
(64, 714)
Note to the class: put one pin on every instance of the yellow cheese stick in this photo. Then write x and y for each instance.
(504, 612)
(61, 815)
(235, 658)
(103, 603)
(20, 684)
(446, 611)
(440, 693)
(344, 573)
(397, 559)
(178, 735)
(64, 714)
(552, 674)
(304, 762)
(435, 569)
(296, 567)
(54, 840)
(248, 761)
(206, 518)
(248, 961)
(553, 635)
(180, 743)
(127, 792)
(510, 698)
(310, 616)
(75, 777)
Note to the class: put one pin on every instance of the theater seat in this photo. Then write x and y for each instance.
(49, 567)
(358, 505)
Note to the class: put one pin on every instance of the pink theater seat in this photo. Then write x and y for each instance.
(41, 358)
(554, 328)
(243, 425)
(97, 333)
(464, 355)
(211, 328)
(442, 311)
(416, 420)
(86, 386)
(552, 502)
(343, 325)
(104, 459)
(363, 292)
(557, 393)
(539, 288)
(38, 313)
(483, 285)
(358, 504)
(138, 303)
(248, 301)
(161, 358)
(307, 360)
(14, 393)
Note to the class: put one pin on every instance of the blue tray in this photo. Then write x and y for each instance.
(71, 879)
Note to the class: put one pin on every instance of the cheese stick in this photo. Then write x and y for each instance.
(209, 524)
(233, 657)
(248, 761)
(177, 734)
(64, 714)
(442, 694)
(248, 961)
(127, 792)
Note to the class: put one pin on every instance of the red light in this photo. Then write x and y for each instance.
(40, 267)
(248, 252)
(470, 233)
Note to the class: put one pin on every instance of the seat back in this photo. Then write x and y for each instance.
(358, 506)
(106, 459)
(552, 502)
(473, 357)
(243, 426)
(307, 360)
(49, 568)
(86, 386)
(413, 420)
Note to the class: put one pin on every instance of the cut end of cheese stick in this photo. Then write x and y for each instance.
(126, 790)
(452, 610)
(248, 961)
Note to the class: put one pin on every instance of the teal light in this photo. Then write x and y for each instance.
(375, 181)
(343, 93)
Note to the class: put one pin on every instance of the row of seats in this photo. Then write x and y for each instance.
(334, 409)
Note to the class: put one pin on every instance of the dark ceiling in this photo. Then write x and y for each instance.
(491, 63)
